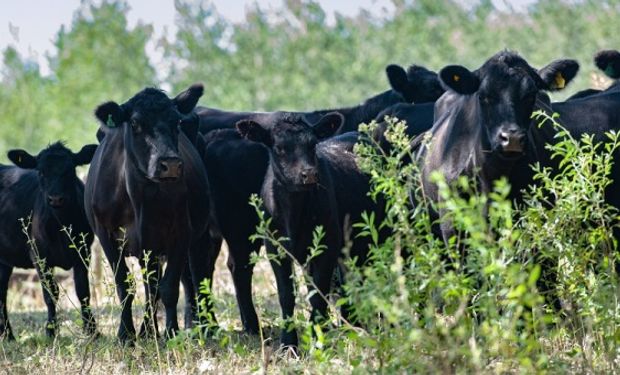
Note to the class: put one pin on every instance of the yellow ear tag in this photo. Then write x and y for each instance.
(456, 78)
(560, 82)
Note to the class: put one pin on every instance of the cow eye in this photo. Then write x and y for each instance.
(279, 150)
(135, 126)
(486, 99)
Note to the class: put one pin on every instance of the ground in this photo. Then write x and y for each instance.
(229, 352)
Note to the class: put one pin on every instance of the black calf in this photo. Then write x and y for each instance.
(45, 192)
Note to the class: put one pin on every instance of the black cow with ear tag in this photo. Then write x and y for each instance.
(481, 123)
(146, 196)
(43, 195)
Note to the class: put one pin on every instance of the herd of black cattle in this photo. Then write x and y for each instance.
(169, 181)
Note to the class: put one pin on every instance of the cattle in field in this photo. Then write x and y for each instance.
(483, 132)
(608, 61)
(146, 196)
(416, 85)
(310, 183)
(236, 168)
(44, 193)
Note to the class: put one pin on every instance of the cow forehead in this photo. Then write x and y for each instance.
(151, 103)
(499, 77)
(508, 68)
(55, 160)
(293, 132)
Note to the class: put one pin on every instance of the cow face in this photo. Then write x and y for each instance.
(505, 90)
(292, 145)
(416, 85)
(151, 122)
(56, 169)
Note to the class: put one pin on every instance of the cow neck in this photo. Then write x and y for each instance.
(539, 135)
(363, 112)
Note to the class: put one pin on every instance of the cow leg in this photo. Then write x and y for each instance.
(50, 294)
(322, 271)
(126, 331)
(203, 255)
(5, 326)
(283, 270)
(82, 290)
(169, 289)
(191, 307)
(241, 270)
(150, 264)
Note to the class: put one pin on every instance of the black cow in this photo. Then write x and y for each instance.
(146, 196)
(44, 193)
(607, 61)
(483, 132)
(308, 183)
(236, 168)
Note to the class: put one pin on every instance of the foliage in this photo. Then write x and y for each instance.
(99, 58)
(493, 305)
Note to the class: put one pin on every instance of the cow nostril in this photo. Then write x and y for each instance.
(55, 200)
(163, 166)
(504, 137)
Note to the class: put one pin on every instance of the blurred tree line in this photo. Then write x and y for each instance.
(292, 58)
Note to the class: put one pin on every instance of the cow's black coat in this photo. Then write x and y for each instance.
(46, 193)
(147, 185)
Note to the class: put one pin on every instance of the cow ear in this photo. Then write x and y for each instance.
(110, 114)
(558, 74)
(459, 79)
(609, 62)
(328, 125)
(22, 159)
(187, 100)
(85, 155)
(397, 77)
(253, 131)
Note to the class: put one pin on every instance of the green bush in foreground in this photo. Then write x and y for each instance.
(425, 306)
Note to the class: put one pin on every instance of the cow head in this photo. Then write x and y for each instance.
(505, 90)
(609, 62)
(56, 169)
(292, 146)
(151, 122)
(416, 85)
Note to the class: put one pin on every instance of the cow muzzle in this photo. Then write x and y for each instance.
(309, 176)
(511, 140)
(55, 201)
(169, 169)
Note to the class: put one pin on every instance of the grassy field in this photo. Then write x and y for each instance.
(230, 351)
